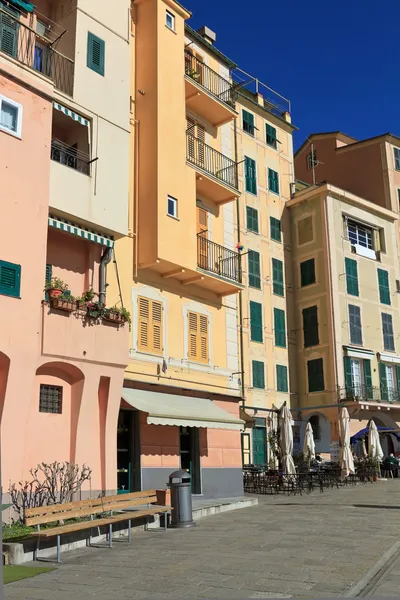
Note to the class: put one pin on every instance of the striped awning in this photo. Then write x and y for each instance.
(87, 234)
(71, 113)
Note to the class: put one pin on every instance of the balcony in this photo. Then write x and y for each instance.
(207, 93)
(26, 46)
(70, 157)
(366, 393)
(218, 260)
(217, 175)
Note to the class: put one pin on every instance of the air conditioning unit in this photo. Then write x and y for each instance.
(41, 29)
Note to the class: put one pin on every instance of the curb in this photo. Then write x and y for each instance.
(369, 580)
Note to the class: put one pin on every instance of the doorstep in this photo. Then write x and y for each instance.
(205, 508)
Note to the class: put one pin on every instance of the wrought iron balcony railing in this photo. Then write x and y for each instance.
(22, 43)
(213, 162)
(218, 260)
(210, 80)
(368, 393)
(70, 156)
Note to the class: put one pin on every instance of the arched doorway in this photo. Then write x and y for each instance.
(321, 431)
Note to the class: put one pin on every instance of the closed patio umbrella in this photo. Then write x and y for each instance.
(309, 444)
(346, 457)
(287, 441)
(374, 444)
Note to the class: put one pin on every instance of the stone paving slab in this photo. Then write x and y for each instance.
(309, 546)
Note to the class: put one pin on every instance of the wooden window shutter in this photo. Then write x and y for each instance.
(203, 338)
(156, 326)
(193, 330)
(144, 324)
(202, 220)
(198, 337)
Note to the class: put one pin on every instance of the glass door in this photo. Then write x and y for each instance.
(356, 376)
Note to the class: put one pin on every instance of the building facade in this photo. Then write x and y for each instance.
(346, 281)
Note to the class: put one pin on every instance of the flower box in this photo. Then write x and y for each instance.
(113, 317)
(63, 304)
(54, 293)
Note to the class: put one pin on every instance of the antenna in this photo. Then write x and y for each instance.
(313, 163)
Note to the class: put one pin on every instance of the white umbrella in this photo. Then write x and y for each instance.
(309, 444)
(374, 444)
(287, 441)
(346, 457)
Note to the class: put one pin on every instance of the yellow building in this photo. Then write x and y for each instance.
(346, 281)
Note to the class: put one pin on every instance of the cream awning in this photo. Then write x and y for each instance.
(185, 411)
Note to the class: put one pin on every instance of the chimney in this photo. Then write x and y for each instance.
(207, 34)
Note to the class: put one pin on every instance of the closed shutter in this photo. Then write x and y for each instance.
(144, 324)
(396, 159)
(258, 374)
(368, 379)
(277, 277)
(348, 376)
(384, 290)
(315, 370)
(201, 136)
(310, 326)
(384, 387)
(191, 134)
(281, 378)
(307, 272)
(156, 323)
(254, 269)
(248, 122)
(273, 181)
(193, 327)
(199, 68)
(202, 240)
(275, 226)
(49, 274)
(95, 54)
(250, 175)
(351, 276)
(203, 338)
(256, 328)
(271, 136)
(150, 333)
(9, 35)
(252, 219)
(279, 328)
(198, 337)
(355, 325)
(10, 279)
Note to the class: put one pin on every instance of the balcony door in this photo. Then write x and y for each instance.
(356, 376)
(202, 238)
(391, 382)
(196, 142)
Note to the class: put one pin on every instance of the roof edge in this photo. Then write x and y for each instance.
(210, 47)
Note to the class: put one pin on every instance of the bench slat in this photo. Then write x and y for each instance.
(41, 510)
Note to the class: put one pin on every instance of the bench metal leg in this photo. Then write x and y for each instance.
(58, 548)
(36, 550)
(129, 530)
(90, 532)
(165, 521)
(110, 535)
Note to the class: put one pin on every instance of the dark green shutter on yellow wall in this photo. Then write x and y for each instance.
(95, 54)
(248, 122)
(275, 227)
(250, 172)
(348, 378)
(258, 374)
(384, 289)
(351, 276)
(281, 378)
(277, 277)
(279, 328)
(384, 387)
(256, 327)
(254, 269)
(252, 219)
(368, 379)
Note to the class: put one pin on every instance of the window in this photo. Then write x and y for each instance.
(279, 328)
(172, 209)
(198, 337)
(384, 290)
(310, 326)
(281, 378)
(170, 20)
(10, 279)
(50, 399)
(9, 31)
(275, 226)
(271, 136)
(355, 325)
(307, 272)
(359, 234)
(351, 276)
(256, 327)
(312, 160)
(396, 158)
(387, 330)
(150, 334)
(258, 374)
(305, 231)
(254, 269)
(248, 122)
(273, 181)
(277, 277)
(96, 54)
(358, 377)
(315, 371)
(252, 219)
(390, 382)
(250, 175)
(10, 116)
(316, 427)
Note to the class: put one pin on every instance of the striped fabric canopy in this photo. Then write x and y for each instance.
(87, 234)
(70, 113)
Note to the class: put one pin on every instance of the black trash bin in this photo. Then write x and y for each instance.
(181, 499)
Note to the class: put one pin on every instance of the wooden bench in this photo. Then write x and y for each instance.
(117, 507)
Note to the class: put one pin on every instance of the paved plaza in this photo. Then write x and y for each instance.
(341, 542)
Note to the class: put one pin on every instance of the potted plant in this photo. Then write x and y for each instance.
(94, 310)
(65, 302)
(117, 314)
(55, 287)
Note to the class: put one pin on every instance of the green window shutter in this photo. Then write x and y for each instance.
(271, 136)
(351, 276)
(258, 374)
(277, 277)
(279, 328)
(96, 54)
(256, 328)
(254, 269)
(368, 379)
(384, 289)
(355, 325)
(310, 326)
(248, 122)
(273, 181)
(307, 272)
(347, 375)
(9, 34)
(250, 175)
(315, 370)
(281, 378)
(387, 331)
(398, 380)
(10, 279)
(252, 219)
(259, 445)
(49, 274)
(275, 227)
(397, 159)
(384, 387)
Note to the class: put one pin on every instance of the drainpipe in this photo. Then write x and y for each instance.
(105, 260)
(241, 344)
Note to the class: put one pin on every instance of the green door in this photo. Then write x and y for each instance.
(259, 445)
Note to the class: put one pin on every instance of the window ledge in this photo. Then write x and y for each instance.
(170, 29)
(172, 217)
(12, 133)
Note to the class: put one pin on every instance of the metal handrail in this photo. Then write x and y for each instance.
(70, 157)
(209, 79)
(217, 259)
(211, 161)
(367, 393)
(24, 45)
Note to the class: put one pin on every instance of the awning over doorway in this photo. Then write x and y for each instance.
(87, 234)
(185, 411)
(70, 113)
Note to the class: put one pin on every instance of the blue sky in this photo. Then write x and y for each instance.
(337, 61)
